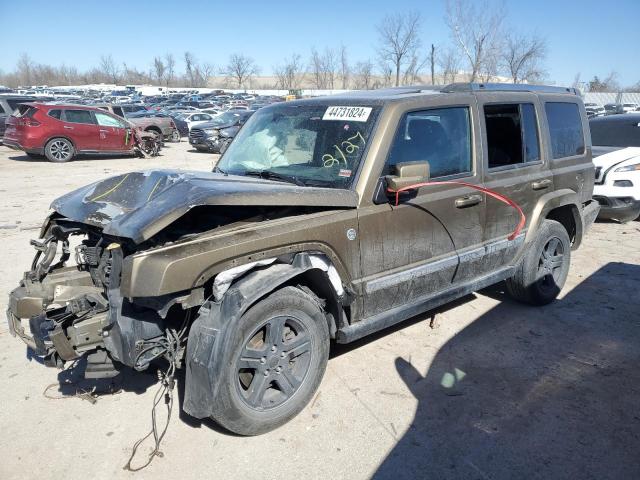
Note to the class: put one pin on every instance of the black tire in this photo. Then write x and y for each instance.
(543, 270)
(59, 150)
(225, 145)
(262, 387)
(175, 136)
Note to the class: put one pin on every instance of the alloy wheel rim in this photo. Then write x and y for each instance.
(273, 363)
(550, 263)
(60, 150)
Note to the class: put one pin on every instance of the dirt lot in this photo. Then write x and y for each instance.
(493, 390)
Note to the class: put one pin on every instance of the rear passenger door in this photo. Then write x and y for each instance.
(81, 127)
(515, 165)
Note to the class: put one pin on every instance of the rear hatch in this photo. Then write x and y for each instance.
(21, 119)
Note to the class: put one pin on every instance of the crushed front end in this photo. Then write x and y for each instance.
(63, 312)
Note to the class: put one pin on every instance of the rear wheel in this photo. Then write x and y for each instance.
(543, 270)
(59, 150)
(278, 356)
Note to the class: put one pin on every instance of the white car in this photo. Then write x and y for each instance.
(616, 152)
(197, 118)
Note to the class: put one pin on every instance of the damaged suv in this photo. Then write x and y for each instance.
(326, 219)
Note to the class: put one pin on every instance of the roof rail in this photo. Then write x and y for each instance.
(506, 87)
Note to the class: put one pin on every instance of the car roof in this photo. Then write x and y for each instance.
(623, 117)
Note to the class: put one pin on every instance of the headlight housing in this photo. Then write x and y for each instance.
(628, 168)
(211, 131)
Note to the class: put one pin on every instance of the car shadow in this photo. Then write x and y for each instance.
(532, 392)
(79, 158)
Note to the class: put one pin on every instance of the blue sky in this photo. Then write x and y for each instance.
(591, 37)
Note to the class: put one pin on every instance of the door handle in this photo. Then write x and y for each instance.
(468, 201)
(541, 185)
(68, 128)
(104, 131)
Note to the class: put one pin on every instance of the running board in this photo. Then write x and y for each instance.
(396, 315)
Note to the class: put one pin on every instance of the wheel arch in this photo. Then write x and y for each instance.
(561, 206)
(54, 137)
(210, 333)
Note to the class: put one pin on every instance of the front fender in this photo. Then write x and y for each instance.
(211, 333)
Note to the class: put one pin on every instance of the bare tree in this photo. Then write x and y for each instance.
(608, 84)
(24, 70)
(476, 29)
(399, 40)
(289, 73)
(344, 67)
(159, 69)
(203, 73)
(412, 71)
(449, 63)
(363, 75)
(522, 57)
(170, 67)
(323, 68)
(190, 68)
(109, 68)
(240, 68)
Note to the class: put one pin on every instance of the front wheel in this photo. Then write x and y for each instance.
(59, 150)
(175, 136)
(543, 270)
(278, 355)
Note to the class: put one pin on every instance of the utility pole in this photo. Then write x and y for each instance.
(433, 64)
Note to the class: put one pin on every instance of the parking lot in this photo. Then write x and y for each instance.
(485, 388)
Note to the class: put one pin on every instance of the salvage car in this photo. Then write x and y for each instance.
(616, 155)
(327, 218)
(163, 126)
(61, 132)
(216, 135)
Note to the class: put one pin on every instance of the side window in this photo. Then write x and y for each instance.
(78, 116)
(565, 129)
(55, 114)
(440, 136)
(105, 120)
(118, 111)
(512, 134)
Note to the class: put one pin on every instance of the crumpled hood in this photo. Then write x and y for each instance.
(138, 205)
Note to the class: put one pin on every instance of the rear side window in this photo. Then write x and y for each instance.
(15, 103)
(512, 134)
(78, 116)
(615, 133)
(440, 136)
(565, 129)
(24, 111)
(55, 114)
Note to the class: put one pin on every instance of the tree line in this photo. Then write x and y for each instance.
(481, 47)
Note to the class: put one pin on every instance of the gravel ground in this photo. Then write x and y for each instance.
(485, 389)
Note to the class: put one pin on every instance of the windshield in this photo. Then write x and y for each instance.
(225, 119)
(314, 144)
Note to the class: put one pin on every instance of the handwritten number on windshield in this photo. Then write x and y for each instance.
(350, 146)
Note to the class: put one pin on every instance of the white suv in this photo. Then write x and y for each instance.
(616, 156)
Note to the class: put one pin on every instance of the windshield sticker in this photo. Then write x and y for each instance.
(347, 147)
(344, 173)
(352, 114)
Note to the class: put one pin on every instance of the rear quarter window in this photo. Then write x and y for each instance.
(55, 114)
(565, 129)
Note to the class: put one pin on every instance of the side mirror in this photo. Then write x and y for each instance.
(408, 174)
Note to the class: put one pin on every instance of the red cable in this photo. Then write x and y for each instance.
(492, 193)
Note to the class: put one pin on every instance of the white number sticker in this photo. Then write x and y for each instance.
(350, 114)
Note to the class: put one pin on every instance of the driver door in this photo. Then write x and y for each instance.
(425, 244)
(113, 133)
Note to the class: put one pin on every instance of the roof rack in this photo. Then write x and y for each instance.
(506, 87)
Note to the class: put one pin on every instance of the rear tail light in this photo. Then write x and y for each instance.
(29, 122)
(172, 123)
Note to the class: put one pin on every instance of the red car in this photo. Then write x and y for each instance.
(60, 132)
